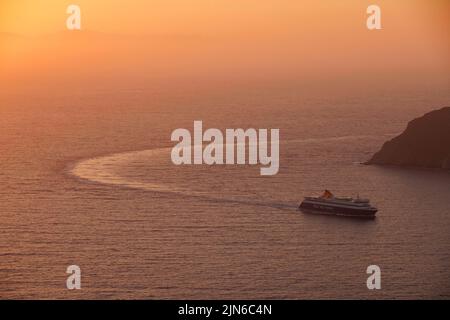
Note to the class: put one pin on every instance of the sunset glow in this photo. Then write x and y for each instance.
(224, 149)
(329, 34)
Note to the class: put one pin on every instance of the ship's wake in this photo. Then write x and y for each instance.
(111, 170)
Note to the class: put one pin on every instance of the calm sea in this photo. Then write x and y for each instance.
(87, 179)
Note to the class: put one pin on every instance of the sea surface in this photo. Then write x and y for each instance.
(86, 179)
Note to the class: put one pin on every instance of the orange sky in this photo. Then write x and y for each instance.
(321, 37)
(218, 16)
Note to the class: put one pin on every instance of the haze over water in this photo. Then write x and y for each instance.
(86, 176)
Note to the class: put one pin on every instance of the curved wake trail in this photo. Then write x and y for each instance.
(96, 170)
(100, 170)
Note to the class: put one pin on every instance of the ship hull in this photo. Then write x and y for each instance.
(325, 209)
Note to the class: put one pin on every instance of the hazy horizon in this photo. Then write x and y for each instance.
(88, 177)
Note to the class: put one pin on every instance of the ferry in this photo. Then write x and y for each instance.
(328, 204)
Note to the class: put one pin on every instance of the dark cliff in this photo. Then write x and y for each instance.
(424, 143)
